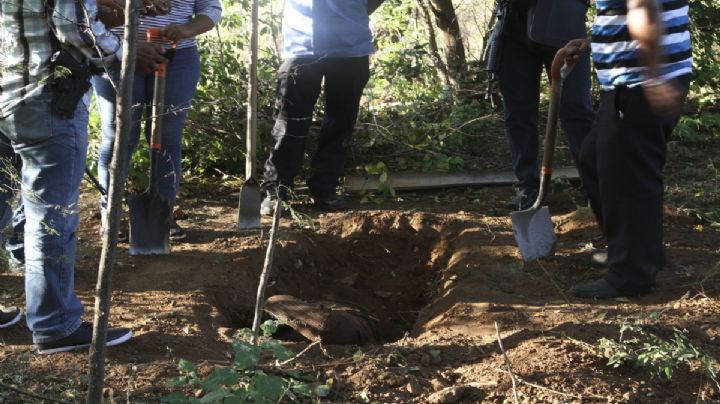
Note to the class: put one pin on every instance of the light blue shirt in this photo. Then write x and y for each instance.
(326, 28)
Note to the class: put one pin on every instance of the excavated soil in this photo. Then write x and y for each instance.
(430, 278)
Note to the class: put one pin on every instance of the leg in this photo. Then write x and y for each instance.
(576, 110)
(53, 154)
(297, 91)
(345, 80)
(182, 78)
(519, 80)
(105, 95)
(631, 161)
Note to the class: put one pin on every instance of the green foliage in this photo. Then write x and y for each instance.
(248, 379)
(655, 355)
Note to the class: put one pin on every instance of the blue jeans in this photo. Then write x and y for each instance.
(53, 152)
(182, 78)
(10, 166)
(519, 79)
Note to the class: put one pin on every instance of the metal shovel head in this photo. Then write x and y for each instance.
(534, 232)
(150, 215)
(249, 205)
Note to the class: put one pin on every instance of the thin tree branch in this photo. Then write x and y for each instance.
(507, 363)
(31, 394)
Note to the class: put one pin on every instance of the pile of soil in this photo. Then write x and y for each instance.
(429, 280)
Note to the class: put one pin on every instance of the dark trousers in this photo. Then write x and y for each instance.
(299, 85)
(519, 79)
(621, 167)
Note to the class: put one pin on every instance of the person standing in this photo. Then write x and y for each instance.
(181, 25)
(522, 62)
(45, 53)
(642, 53)
(327, 43)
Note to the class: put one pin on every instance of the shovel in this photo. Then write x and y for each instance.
(534, 230)
(150, 212)
(249, 203)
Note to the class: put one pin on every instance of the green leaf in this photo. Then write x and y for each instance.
(246, 355)
(177, 381)
(323, 390)
(269, 327)
(215, 396)
(185, 366)
(301, 388)
(175, 398)
(221, 376)
(267, 386)
(279, 351)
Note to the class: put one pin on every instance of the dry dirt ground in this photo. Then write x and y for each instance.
(433, 273)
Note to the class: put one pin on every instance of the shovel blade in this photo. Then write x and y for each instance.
(534, 232)
(150, 215)
(249, 205)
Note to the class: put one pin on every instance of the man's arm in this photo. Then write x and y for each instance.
(76, 25)
(373, 5)
(645, 26)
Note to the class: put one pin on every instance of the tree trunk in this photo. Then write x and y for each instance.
(115, 191)
(432, 42)
(453, 46)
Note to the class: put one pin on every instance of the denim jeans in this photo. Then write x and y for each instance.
(519, 79)
(53, 152)
(182, 78)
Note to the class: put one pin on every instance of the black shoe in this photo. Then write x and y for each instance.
(523, 200)
(597, 289)
(82, 337)
(599, 258)
(330, 203)
(9, 316)
(177, 232)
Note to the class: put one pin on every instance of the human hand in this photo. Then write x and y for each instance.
(149, 56)
(574, 50)
(665, 97)
(154, 8)
(174, 32)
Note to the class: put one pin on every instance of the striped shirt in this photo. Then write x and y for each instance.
(181, 12)
(26, 44)
(616, 55)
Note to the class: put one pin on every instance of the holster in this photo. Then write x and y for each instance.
(69, 81)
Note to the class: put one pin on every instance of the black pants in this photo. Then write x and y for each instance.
(621, 166)
(519, 79)
(299, 84)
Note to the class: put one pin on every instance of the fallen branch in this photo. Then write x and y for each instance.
(507, 363)
(307, 348)
(564, 296)
(560, 393)
(30, 394)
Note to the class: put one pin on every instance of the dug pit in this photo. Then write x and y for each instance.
(358, 280)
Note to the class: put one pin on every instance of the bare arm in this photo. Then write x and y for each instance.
(194, 27)
(645, 26)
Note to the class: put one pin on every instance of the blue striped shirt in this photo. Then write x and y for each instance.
(616, 55)
(181, 12)
(326, 28)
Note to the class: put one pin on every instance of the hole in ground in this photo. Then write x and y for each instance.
(361, 280)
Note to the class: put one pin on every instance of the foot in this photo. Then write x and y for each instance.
(82, 337)
(330, 203)
(599, 258)
(9, 316)
(177, 232)
(523, 200)
(596, 289)
(267, 206)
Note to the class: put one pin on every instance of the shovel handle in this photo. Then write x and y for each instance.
(252, 96)
(558, 71)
